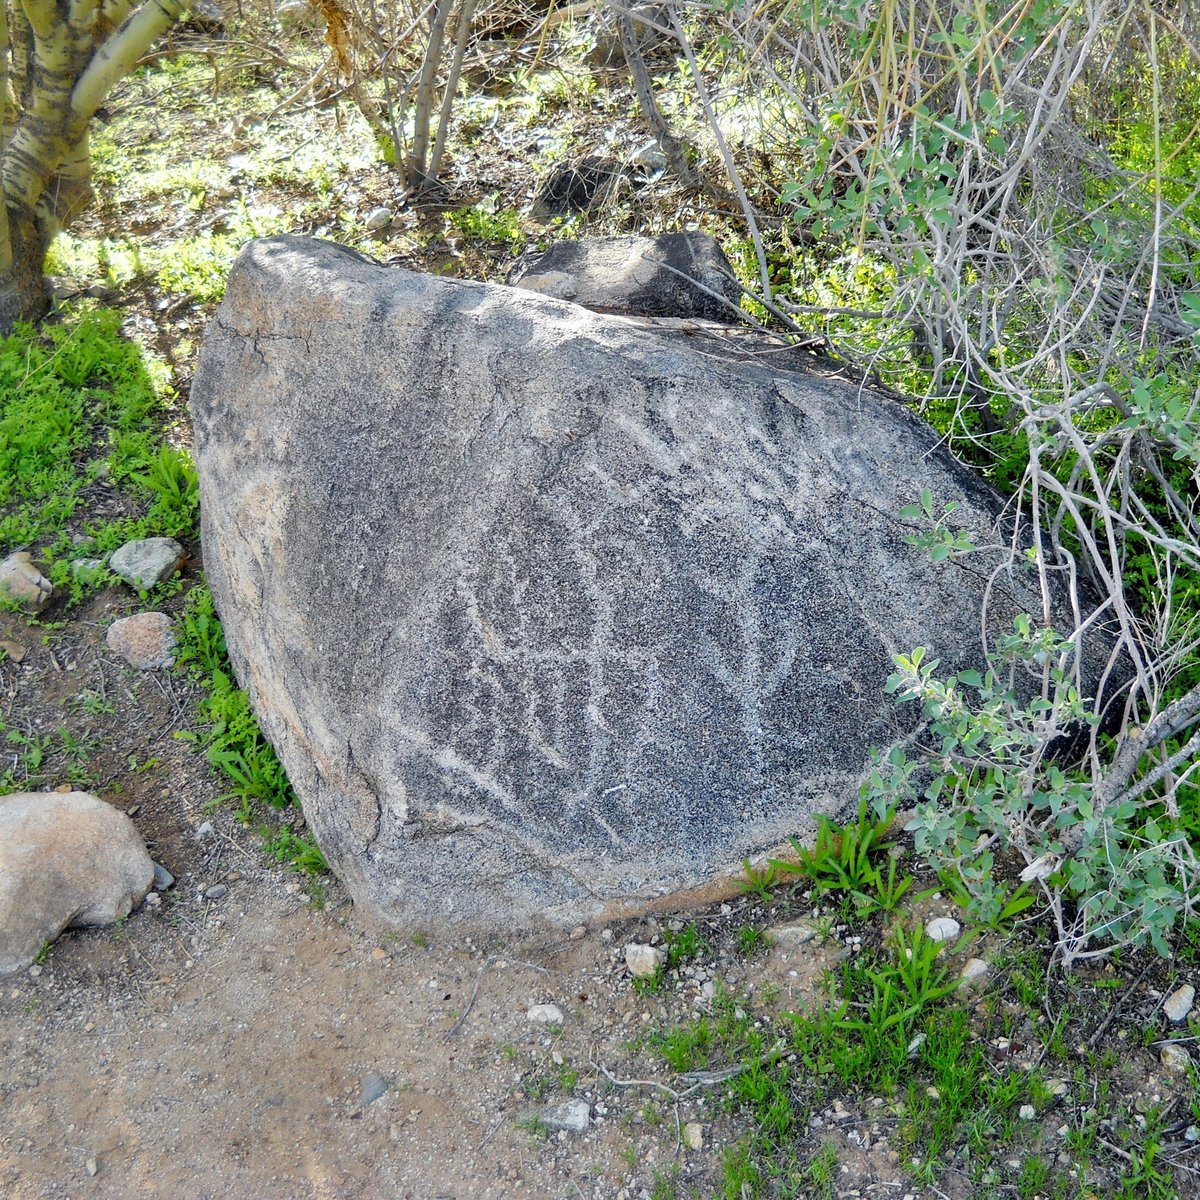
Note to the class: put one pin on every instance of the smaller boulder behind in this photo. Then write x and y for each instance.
(673, 275)
(66, 859)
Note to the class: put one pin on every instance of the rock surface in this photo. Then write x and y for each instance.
(22, 583)
(146, 562)
(145, 640)
(544, 611)
(674, 275)
(643, 961)
(1179, 1003)
(66, 858)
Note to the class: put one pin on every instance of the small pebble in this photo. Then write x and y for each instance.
(693, 1135)
(942, 929)
(643, 961)
(1027, 1112)
(1179, 1003)
(571, 1116)
(92, 1166)
(545, 1014)
(373, 1086)
(163, 878)
(378, 219)
(378, 953)
(974, 972)
(216, 891)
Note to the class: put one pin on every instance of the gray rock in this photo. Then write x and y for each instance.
(545, 1014)
(1179, 1003)
(145, 640)
(379, 219)
(571, 1115)
(82, 567)
(147, 561)
(23, 584)
(217, 892)
(66, 859)
(163, 878)
(974, 973)
(674, 275)
(581, 605)
(373, 1087)
(643, 961)
(796, 933)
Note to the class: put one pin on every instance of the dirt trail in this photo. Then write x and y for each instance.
(220, 1049)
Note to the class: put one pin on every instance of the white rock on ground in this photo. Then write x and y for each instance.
(643, 961)
(974, 972)
(147, 561)
(23, 583)
(1179, 1003)
(66, 859)
(571, 1115)
(145, 640)
(942, 929)
(545, 1014)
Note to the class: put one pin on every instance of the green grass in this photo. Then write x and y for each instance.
(232, 741)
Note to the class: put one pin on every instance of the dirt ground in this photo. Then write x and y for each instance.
(225, 1048)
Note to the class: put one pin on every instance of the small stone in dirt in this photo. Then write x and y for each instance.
(379, 954)
(1175, 1057)
(942, 929)
(693, 1135)
(545, 1014)
(1027, 1112)
(379, 219)
(92, 1166)
(145, 640)
(571, 1115)
(974, 972)
(373, 1086)
(643, 961)
(216, 892)
(1179, 1003)
(796, 934)
(14, 650)
(578, 933)
(163, 878)
(147, 561)
(85, 566)
(205, 830)
(23, 583)
(1192, 1133)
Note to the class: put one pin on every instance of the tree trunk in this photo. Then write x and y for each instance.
(23, 292)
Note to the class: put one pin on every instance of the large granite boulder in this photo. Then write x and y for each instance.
(544, 610)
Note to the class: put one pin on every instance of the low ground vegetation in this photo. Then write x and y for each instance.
(859, 211)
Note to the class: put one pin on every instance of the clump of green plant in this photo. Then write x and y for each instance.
(854, 859)
(231, 738)
(1110, 871)
(76, 403)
